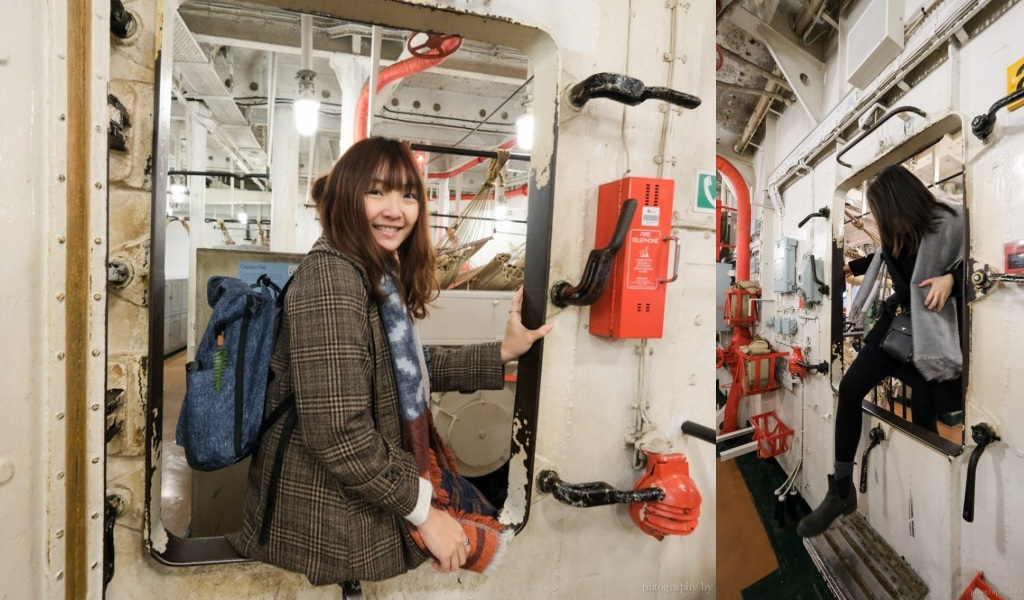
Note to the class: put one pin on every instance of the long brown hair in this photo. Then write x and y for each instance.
(904, 209)
(339, 200)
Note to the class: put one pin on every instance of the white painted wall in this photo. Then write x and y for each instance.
(24, 225)
(946, 551)
(589, 384)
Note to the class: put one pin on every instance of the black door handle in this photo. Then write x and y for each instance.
(981, 125)
(599, 266)
(111, 508)
(876, 435)
(983, 434)
(627, 90)
(598, 493)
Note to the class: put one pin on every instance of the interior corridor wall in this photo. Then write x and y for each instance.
(945, 550)
(589, 383)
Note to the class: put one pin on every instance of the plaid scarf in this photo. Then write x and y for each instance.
(466, 504)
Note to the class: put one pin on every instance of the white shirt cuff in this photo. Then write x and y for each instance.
(419, 514)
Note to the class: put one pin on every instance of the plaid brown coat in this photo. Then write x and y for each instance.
(345, 483)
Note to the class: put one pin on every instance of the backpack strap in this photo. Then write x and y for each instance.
(288, 406)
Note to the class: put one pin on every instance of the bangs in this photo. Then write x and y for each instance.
(397, 171)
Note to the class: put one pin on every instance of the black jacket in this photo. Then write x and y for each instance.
(900, 269)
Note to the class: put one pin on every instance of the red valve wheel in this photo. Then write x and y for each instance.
(435, 46)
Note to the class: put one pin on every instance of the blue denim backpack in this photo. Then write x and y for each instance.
(226, 384)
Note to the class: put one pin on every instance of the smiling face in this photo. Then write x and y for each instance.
(392, 214)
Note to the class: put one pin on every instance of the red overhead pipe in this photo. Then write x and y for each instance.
(441, 49)
(740, 334)
(470, 164)
(739, 187)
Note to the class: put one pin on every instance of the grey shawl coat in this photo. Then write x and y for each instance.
(346, 483)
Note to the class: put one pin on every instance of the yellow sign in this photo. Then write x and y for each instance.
(1015, 81)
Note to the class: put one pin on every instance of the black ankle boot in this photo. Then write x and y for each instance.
(835, 504)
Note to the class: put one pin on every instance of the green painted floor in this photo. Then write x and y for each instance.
(796, 577)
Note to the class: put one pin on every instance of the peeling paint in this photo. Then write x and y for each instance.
(514, 511)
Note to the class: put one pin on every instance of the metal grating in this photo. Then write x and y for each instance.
(858, 564)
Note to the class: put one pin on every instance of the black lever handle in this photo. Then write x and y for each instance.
(821, 367)
(983, 434)
(822, 212)
(111, 508)
(981, 125)
(598, 493)
(699, 431)
(876, 435)
(627, 90)
(822, 286)
(599, 266)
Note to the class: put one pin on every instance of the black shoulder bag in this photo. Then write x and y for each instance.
(898, 342)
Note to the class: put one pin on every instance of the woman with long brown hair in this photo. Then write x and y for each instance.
(922, 246)
(357, 484)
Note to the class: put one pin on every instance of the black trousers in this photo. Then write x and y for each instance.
(871, 366)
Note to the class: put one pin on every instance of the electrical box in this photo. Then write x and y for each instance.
(807, 287)
(633, 303)
(785, 266)
(874, 41)
(786, 326)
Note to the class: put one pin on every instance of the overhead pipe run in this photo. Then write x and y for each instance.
(803, 24)
(740, 61)
(470, 164)
(753, 92)
(429, 54)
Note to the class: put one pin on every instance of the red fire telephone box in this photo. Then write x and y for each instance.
(633, 304)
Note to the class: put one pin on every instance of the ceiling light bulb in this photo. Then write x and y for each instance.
(178, 189)
(524, 131)
(500, 212)
(243, 217)
(307, 114)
